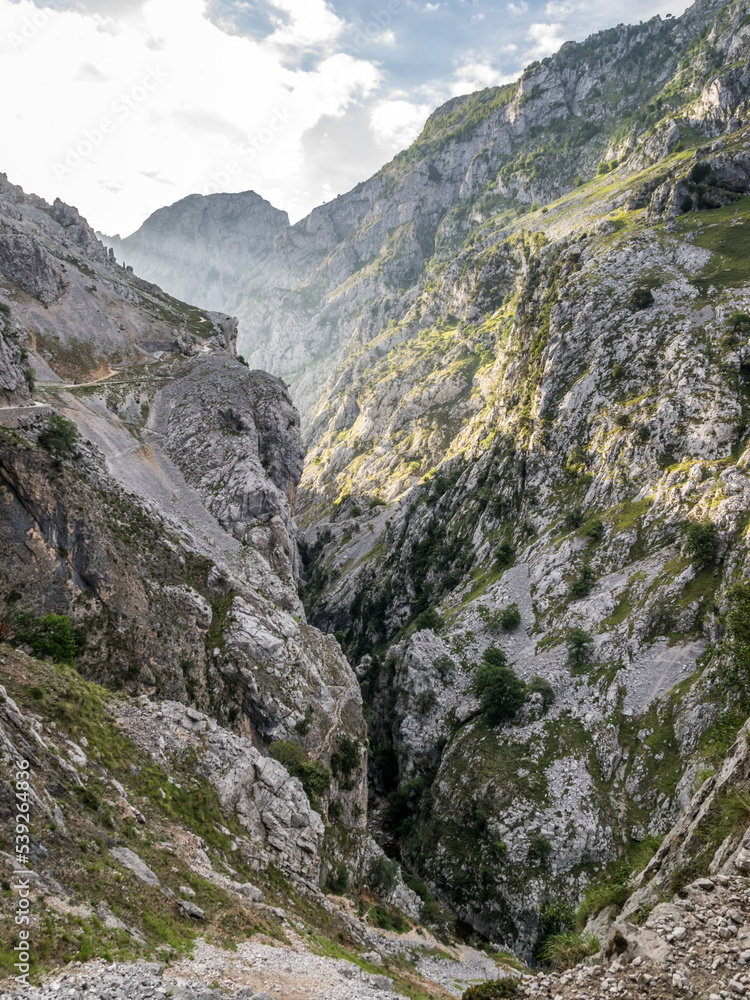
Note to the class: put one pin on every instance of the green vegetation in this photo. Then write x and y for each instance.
(493, 989)
(505, 555)
(345, 760)
(314, 775)
(48, 635)
(540, 685)
(539, 848)
(510, 618)
(579, 644)
(613, 886)
(582, 586)
(338, 879)
(701, 541)
(384, 874)
(59, 436)
(500, 690)
(640, 299)
(563, 951)
(735, 665)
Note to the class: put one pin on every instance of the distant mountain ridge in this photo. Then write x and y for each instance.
(198, 248)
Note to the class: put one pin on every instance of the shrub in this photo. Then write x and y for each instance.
(50, 635)
(314, 775)
(579, 645)
(387, 920)
(242, 360)
(338, 880)
(739, 323)
(618, 369)
(735, 671)
(340, 636)
(595, 530)
(540, 848)
(641, 298)
(563, 951)
(345, 758)
(579, 181)
(687, 204)
(429, 618)
(59, 436)
(500, 690)
(555, 917)
(492, 989)
(582, 586)
(701, 541)
(574, 518)
(540, 685)
(426, 701)
(622, 420)
(700, 172)
(643, 434)
(505, 555)
(510, 617)
(355, 511)
(384, 874)
(603, 168)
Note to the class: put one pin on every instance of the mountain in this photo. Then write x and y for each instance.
(200, 247)
(522, 352)
(337, 278)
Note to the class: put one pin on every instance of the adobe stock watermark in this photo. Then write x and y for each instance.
(248, 151)
(33, 25)
(379, 21)
(22, 873)
(121, 109)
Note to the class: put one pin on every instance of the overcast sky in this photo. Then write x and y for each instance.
(122, 106)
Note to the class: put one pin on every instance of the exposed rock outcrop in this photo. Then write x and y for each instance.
(199, 248)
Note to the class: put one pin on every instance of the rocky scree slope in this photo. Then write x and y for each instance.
(147, 497)
(158, 834)
(233, 232)
(557, 421)
(355, 265)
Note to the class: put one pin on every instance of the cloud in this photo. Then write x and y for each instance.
(297, 99)
(90, 74)
(154, 175)
(476, 76)
(545, 39)
(207, 111)
(397, 123)
(563, 8)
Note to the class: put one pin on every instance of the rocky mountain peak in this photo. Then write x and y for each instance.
(234, 232)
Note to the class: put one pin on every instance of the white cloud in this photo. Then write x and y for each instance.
(545, 39)
(476, 76)
(432, 6)
(563, 8)
(518, 8)
(124, 123)
(398, 123)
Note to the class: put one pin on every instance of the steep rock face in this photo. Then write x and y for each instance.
(15, 379)
(199, 248)
(155, 507)
(356, 264)
(269, 803)
(81, 314)
(561, 400)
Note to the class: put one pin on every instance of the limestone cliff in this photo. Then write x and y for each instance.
(357, 264)
(542, 455)
(148, 494)
(199, 248)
